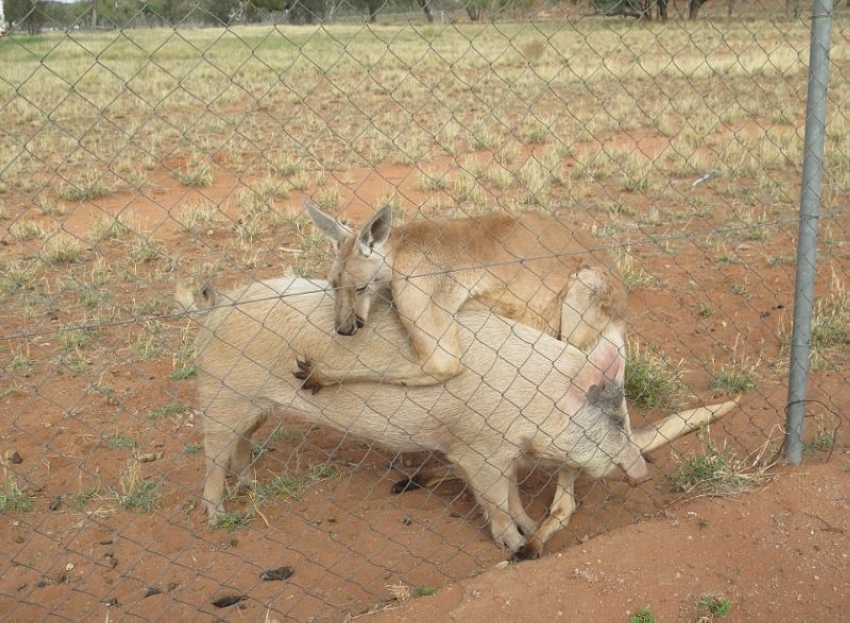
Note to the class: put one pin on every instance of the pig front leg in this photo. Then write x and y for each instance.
(526, 524)
(563, 506)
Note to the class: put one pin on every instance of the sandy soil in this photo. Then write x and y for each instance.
(777, 550)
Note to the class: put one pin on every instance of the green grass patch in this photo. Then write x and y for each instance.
(175, 407)
(731, 380)
(831, 317)
(13, 499)
(27, 230)
(82, 498)
(195, 174)
(651, 381)
(62, 248)
(719, 472)
(191, 449)
(17, 276)
(73, 338)
(425, 591)
(189, 371)
(293, 486)
(138, 494)
(108, 229)
(643, 615)
(146, 250)
(823, 441)
(715, 607)
(84, 190)
(230, 521)
(116, 441)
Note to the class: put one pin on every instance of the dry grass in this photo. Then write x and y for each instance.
(721, 471)
(189, 120)
(603, 122)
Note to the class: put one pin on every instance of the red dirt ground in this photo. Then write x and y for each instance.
(780, 553)
(777, 552)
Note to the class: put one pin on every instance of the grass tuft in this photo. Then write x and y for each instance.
(651, 381)
(831, 317)
(62, 248)
(138, 494)
(230, 522)
(716, 607)
(13, 499)
(643, 615)
(719, 472)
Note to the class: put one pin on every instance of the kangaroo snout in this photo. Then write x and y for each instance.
(350, 328)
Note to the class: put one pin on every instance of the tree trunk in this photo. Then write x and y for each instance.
(426, 8)
(693, 8)
(374, 7)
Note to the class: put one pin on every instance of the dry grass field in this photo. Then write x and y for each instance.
(130, 160)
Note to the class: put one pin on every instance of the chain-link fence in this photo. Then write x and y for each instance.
(146, 145)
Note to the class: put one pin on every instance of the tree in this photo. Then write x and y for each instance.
(426, 8)
(641, 9)
(222, 10)
(28, 14)
(476, 9)
(304, 11)
(693, 8)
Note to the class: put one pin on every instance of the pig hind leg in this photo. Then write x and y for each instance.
(491, 484)
(430, 477)
(242, 452)
(226, 449)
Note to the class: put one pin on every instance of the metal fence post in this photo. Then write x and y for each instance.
(808, 226)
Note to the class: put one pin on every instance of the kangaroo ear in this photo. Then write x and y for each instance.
(329, 226)
(375, 232)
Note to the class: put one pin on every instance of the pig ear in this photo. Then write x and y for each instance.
(605, 363)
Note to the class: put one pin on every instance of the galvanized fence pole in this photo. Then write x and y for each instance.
(808, 227)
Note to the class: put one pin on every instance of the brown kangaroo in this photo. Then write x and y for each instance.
(530, 267)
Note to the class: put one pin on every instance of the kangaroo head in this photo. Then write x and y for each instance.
(360, 268)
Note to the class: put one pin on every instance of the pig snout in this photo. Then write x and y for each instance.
(637, 471)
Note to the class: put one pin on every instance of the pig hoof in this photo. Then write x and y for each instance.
(405, 484)
(526, 552)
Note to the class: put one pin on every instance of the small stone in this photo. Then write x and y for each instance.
(276, 575)
(229, 600)
(12, 457)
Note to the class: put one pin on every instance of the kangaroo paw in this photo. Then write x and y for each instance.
(305, 373)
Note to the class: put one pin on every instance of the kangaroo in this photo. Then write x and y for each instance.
(530, 267)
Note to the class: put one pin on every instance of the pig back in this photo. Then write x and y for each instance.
(250, 344)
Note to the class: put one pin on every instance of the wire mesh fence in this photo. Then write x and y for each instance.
(145, 146)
